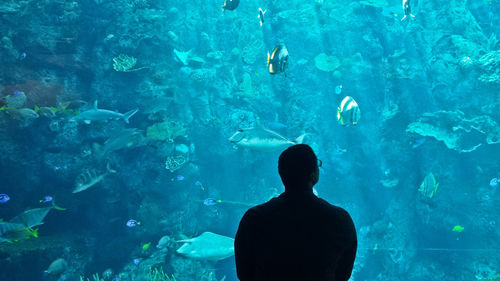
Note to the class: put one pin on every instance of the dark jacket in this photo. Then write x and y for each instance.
(296, 236)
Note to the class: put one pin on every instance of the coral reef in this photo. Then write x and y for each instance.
(326, 63)
(490, 64)
(456, 131)
(168, 131)
(175, 162)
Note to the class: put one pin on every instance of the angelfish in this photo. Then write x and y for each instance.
(230, 5)
(277, 61)
(261, 16)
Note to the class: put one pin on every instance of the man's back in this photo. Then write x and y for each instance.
(296, 236)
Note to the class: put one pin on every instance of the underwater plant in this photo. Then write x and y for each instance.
(95, 278)
(125, 63)
(156, 274)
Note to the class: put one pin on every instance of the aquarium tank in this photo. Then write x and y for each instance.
(134, 134)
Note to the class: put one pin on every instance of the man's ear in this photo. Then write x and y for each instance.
(315, 177)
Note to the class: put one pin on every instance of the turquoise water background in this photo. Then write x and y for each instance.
(417, 173)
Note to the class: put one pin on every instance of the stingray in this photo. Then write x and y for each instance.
(207, 246)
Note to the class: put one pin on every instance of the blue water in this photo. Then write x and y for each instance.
(427, 89)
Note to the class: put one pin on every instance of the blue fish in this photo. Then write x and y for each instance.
(338, 89)
(178, 178)
(46, 199)
(418, 142)
(493, 182)
(17, 93)
(211, 202)
(4, 198)
(137, 261)
(200, 185)
(133, 223)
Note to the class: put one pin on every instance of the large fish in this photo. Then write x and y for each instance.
(89, 178)
(207, 246)
(126, 138)
(259, 138)
(96, 114)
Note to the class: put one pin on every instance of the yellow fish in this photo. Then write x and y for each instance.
(146, 246)
(458, 228)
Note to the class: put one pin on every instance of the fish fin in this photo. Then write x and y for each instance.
(268, 58)
(95, 104)
(300, 139)
(129, 114)
(57, 207)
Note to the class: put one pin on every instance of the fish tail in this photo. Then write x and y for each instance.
(129, 114)
(300, 139)
(57, 207)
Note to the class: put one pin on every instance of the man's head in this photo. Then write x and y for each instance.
(298, 167)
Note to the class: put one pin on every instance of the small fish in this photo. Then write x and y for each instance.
(74, 104)
(4, 198)
(339, 150)
(211, 201)
(22, 56)
(26, 114)
(277, 61)
(137, 261)
(146, 246)
(57, 267)
(116, 278)
(45, 111)
(133, 223)
(46, 199)
(17, 93)
(407, 9)
(493, 182)
(261, 16)
(429, 186)
(348, 112)
(230, 5)
(164, 241)
(338, 89)
(417, 143)
(178, 178)
(200, 185)
(458, 228)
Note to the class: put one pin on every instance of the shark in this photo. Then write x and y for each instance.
(207, 246)
(260, 138)
(97, 114)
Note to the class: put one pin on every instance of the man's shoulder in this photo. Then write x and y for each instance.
(333, 209)
(265, 207)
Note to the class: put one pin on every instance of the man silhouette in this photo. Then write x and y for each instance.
(296, 236)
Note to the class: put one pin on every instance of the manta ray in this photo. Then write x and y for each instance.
(207, 246)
